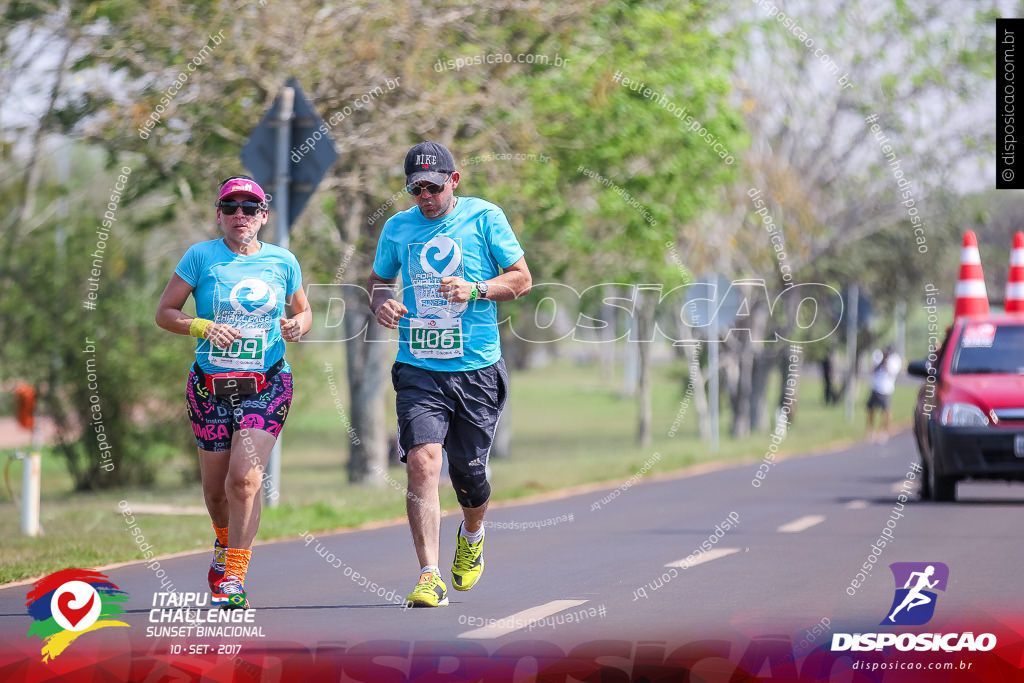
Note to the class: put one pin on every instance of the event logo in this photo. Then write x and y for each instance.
(914, 602)
(69, 603)
(258, 291)
(913, 605)
(441, 256)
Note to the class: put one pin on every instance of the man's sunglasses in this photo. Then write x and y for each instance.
(248, 208)
(416, 190)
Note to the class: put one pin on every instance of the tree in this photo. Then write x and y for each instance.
(640, 133)
(191, 79)
(80, 328)
(810, 80)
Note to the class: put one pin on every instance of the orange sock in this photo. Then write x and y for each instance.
(238, 563)
(222, 534)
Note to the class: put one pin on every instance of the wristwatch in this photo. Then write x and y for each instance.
(482, 288)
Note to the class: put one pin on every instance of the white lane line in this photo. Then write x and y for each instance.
(496, 628)
(715, 554)
(802, 524)
(856, 505)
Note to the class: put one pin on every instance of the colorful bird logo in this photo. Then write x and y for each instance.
(69, 603)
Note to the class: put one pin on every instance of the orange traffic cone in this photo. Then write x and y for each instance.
(971, 295)
(1015, 283)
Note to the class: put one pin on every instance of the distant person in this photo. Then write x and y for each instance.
(457, 256)
(239, 389)
(828, 376)
(887, 365)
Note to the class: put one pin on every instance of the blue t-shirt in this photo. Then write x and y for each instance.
(246, 292)
(474, 242)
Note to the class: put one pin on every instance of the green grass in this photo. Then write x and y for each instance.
(570, 427)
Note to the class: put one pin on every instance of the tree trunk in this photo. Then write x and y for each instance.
(697, 390)
(607, 342)
(744, 382)
(368, 359)
(631, 365)
(729, 372)
(762, 368)
(644, 326)
(502, 445)
(367, 366)
(514, 350)
(753, 372)
(792, 393)
(36, 154)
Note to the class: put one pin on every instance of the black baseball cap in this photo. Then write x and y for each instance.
(429, 161)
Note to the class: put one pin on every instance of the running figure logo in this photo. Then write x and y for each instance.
(914, 602)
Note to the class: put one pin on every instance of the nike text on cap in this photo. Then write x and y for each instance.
(430, 162)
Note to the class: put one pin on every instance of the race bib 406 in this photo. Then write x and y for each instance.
(435, 338)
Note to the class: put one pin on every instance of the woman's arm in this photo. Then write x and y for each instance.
(301, 321)
(168, 311)
(170, 317)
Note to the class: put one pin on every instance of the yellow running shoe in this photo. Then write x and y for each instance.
(468, 564)
(429, 592)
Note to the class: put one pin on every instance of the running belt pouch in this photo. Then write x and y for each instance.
(226, 383)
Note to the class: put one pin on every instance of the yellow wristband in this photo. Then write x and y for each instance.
(198, 327)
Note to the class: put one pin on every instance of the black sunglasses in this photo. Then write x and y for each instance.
(416, 190)
(248, 208)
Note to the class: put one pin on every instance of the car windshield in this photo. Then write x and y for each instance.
(987, 348)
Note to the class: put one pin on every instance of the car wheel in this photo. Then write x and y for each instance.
(925, 490)
(943, 489)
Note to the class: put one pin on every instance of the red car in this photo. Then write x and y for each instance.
(969, 419)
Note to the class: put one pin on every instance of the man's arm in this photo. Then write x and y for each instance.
(383, 304)
(514, 282)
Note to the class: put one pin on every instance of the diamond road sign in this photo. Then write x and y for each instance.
(306, 170)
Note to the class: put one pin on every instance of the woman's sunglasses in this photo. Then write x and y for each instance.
(248, 208)
(416, 190)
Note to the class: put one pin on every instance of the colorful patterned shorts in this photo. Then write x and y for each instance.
(216, 418)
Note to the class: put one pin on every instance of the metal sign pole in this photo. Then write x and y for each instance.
(269, 156)
(281, 162)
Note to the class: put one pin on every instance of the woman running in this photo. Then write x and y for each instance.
(240, 387)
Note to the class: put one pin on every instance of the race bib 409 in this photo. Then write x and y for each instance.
(245, 353)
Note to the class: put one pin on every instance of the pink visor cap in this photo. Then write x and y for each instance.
(249, 187)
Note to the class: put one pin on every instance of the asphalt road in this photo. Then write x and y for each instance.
(794, 545)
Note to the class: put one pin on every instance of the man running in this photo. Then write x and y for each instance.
(457, 256)
(240, 387)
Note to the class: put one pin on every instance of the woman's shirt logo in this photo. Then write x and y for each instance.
(258, 291)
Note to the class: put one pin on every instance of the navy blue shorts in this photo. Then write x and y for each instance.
(877, 400)
(458, 410)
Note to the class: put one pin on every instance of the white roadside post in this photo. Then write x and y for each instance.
(30, 476)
